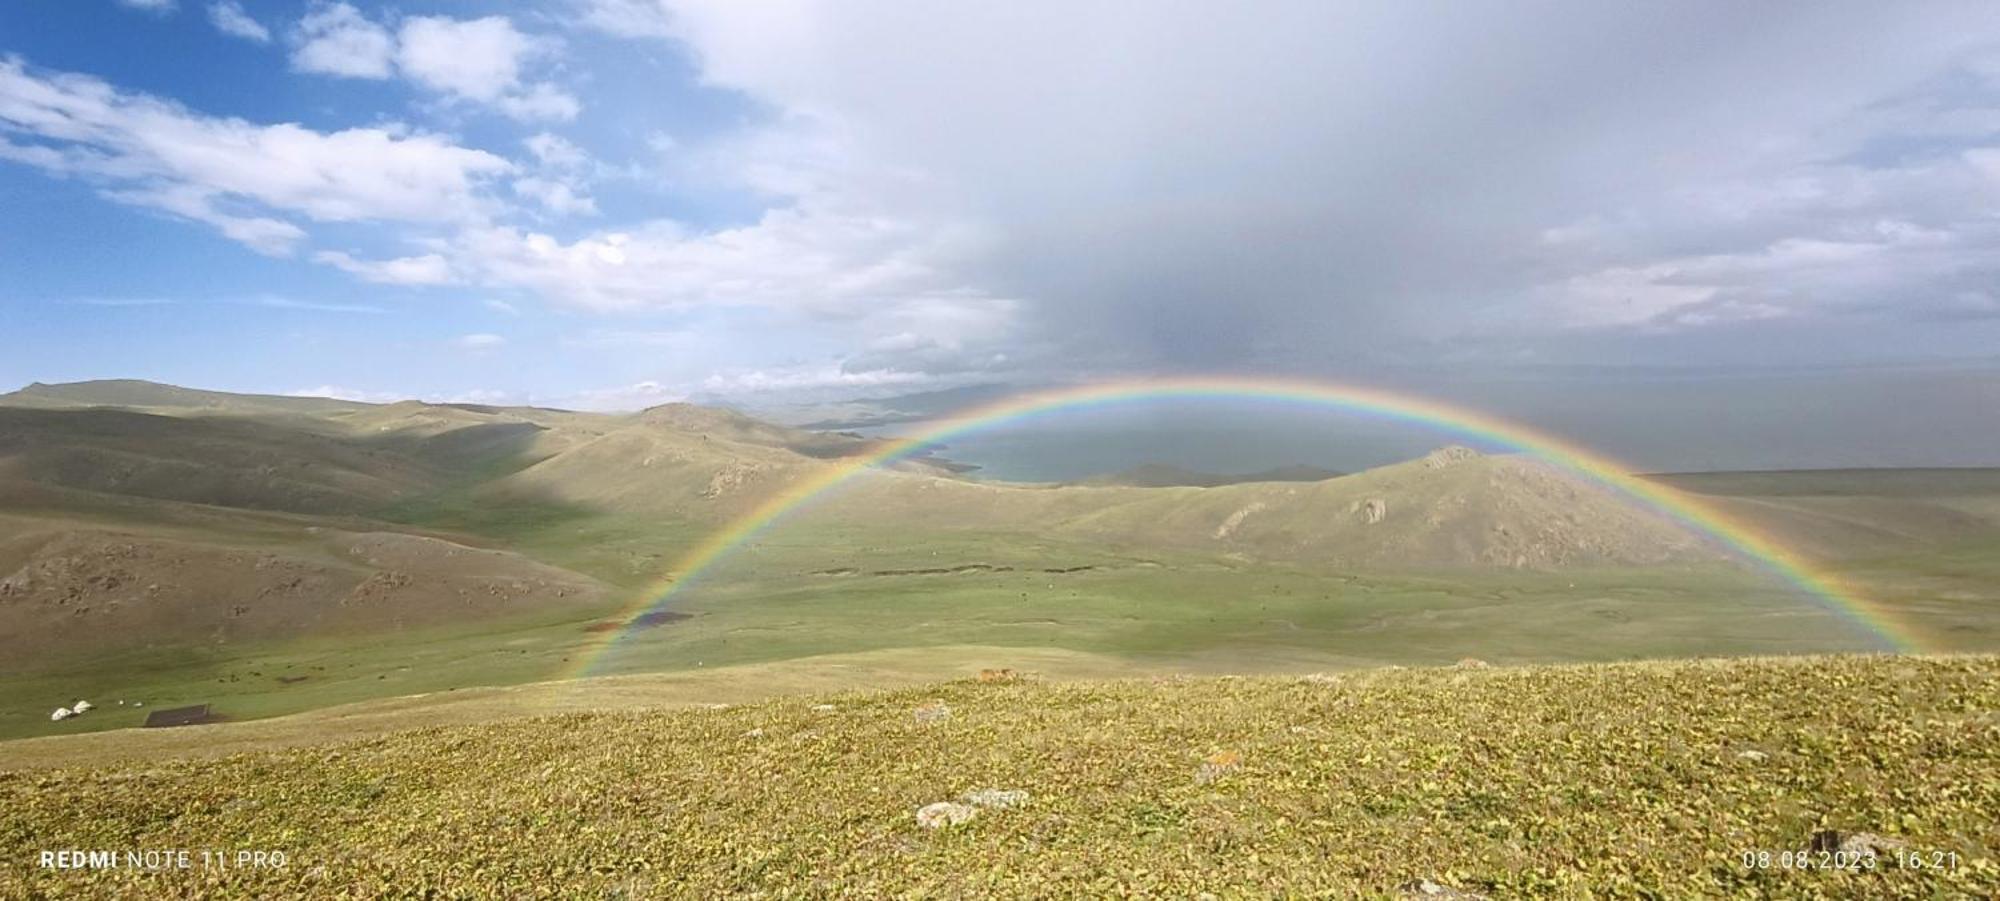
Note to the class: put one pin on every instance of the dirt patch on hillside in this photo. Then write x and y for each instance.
(642, 621)
(962, 569)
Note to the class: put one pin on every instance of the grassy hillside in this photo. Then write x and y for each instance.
(211, 550)
(803, 592)
(1160, 613)
(1483, 511)
(1164, 475)
(222, 462)
(1835, 513)
(136, 394)
(1638, 780)
(70, 592)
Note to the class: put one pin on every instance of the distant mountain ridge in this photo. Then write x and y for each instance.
(704, 466)
(164, 513)
(1167, 475)
(141, 394)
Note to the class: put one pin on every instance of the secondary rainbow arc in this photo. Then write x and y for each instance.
(1704, 517)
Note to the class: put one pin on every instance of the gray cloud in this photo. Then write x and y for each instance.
(1291, 184)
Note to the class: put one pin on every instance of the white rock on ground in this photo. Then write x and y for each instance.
(1869, 844)
(945, 813)
(998, 799)
(1425, 888)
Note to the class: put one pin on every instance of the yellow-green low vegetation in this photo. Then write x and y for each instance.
(1640, 780)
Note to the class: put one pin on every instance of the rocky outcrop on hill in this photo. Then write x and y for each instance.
(1449, 455)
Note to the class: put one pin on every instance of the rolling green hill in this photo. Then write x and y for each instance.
(1164, 475)
(210, 548)
(135, 394)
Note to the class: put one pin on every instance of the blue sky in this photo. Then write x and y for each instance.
(611, 203)
(101, 287)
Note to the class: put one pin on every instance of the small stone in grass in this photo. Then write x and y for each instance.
(933, 712)
(1855, 844)
(1424, 888)
(945, 813)
(998, 799)
(823, 708)
(1218, 765)
(1753, 755)
(1871, 844)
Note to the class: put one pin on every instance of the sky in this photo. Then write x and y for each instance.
(607, 204)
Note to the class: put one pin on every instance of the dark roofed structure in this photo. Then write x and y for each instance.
(180, 716)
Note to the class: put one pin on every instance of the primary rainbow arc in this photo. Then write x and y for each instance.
(1704, 517)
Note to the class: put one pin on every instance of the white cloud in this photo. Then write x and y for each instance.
(938, 352)
(480, 341)
(501, 306)
(796, 259)
(478, 59)
(1809, 240)
(279, 302)
(122, 301)
(797, 379)
(686, 339)
(1985, 161)
(229, 18)
(629, 18)
(355, 395)
(635, 396)
(555, 196)
(555, 151)
(488, 396)
(559, 185)
(152, 6)
(239, 177)
(541, 103)
(336, 39)
(427, 269)
(263, 234)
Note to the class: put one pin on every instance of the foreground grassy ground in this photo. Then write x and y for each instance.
(700, 687)
(1642, 779)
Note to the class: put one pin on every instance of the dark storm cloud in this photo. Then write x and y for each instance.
(1285, 184)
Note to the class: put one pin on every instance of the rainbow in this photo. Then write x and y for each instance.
(1827, 588)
